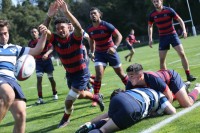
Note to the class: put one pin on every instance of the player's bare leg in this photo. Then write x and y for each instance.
(162, 56)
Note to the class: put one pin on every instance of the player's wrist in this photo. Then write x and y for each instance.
(115, 47)
(49, 16)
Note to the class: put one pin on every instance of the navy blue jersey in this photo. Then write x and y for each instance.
(151, 100)
(102, 36)
(163, 20)
(161, 80)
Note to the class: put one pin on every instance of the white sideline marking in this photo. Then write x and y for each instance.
(170, 119)
(174, 62)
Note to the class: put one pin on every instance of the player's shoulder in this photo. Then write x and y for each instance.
(168, 9)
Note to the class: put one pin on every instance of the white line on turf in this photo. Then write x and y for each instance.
(174, 62)
(170, 119)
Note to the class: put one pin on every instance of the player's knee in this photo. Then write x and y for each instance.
(20, 116)
(50, 75)
(39, 74)
(72, 96)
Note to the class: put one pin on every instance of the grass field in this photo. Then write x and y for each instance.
(45, 118)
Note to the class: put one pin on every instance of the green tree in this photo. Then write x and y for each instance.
(6, 5)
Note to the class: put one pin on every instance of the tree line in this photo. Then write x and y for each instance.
(123, 14)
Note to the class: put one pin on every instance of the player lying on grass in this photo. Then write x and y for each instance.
(168, 82)
(127, 108)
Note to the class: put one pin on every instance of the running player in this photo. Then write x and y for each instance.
(130, 40)
(70, 51)
(11, 95)
(103, 48)
(43, 65)
(163, 17)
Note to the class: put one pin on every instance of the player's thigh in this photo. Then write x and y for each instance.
(109, 127)
(7, 93)
(183, 97)
(179, 49)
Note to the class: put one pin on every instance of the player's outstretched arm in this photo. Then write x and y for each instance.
(70, 16)
(182, 26)
(41, 43)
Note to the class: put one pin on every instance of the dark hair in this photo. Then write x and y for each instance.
(135, 68)
(4, 23)
(61, 20)
(115, 92)
(34, 27)
(95, 8)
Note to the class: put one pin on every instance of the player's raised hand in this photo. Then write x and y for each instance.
(42, 29)
(62, 5)
(53, 8)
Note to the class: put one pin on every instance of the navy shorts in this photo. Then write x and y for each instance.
(78, 80)
(15, 86)
(129, 46)
(103, 58)
(176, 83)
(44, 66)
(166, 40)
(124, 110)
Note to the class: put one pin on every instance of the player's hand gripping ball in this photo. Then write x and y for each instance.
(24, 68)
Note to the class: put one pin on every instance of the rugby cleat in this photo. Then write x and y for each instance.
(85, 128)
(191, 78)
(187, 86)
(197, 85)
(55, 97)
(63, 123)
(100, 102)
(39, 101)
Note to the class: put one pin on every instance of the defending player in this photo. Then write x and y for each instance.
(103, 48)
(127, 108)
(130, 40)
(43, 65)
(11, 95)
(168, 82)
(70, 51)
(163, 17)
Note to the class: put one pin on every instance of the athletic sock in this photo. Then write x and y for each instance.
(194, 94)
(40, 94)
(187, 72)
(97, 86)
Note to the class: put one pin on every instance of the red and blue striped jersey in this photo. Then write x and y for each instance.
(163, 20)
(102, 35)
(131, 39)
(33, 43)
(70, 52)
(158, 81)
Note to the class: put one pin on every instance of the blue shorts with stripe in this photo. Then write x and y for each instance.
(124, 110)
(44, 66)
(15, 86)
(103, 58)
(166, 40)
(129, 46)
(176, 83)
(78, 80)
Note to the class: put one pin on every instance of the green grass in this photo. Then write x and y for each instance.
(45, 118)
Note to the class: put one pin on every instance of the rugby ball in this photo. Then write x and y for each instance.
(24, 67)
